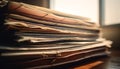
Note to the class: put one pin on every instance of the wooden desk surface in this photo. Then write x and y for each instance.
(111, 62)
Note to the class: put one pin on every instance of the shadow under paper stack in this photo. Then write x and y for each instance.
(36, 37)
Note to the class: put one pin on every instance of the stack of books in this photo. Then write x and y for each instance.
(36, 37)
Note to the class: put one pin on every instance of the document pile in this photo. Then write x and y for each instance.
(37, 37)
